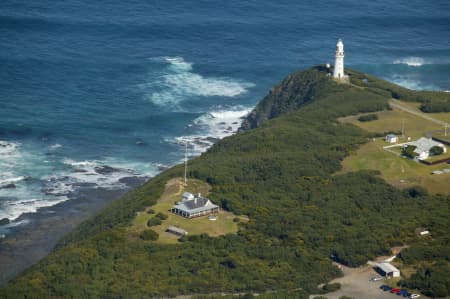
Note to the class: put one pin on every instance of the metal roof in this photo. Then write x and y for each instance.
(188, 195)
(177, 230)
(387, 268)
(424, 144)
(195, 205)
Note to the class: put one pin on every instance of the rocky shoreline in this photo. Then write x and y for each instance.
(31, 241)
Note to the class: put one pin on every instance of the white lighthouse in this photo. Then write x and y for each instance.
(339, 61)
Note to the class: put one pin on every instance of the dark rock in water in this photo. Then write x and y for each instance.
(230, 129)
(235, 123)
(106, 169)
(222, 123)
(80, 170)
(4, 221)
(140, 143)
(162, 167)
(8, 186)
(133, 181)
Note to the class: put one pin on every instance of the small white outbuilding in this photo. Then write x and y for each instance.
(388, 270)
(391, 138)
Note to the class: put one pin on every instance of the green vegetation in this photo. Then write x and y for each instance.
(149, 235)
(154, 221)
(161, 216)
(433, 107)
(282, 175)
(436, 150)
(431, 101)
(331, 287)
(431, 280)
(431, 258)
(368, 117)
(408, 151)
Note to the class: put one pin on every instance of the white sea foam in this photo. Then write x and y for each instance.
(8, 149)
(180, 81)
(411, 61)
(55, 146)
(13, 209)
(9, 178)
(412, 83)
(105, 174)
(210, 127)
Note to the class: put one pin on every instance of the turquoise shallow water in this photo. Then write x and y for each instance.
(123, 84)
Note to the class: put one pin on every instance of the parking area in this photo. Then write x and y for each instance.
(356, 283)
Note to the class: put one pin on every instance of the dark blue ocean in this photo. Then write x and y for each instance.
(95, 91)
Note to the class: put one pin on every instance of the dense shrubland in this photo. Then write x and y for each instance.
(431, 101)
(282, 175)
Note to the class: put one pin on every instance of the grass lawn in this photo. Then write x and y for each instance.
(398, 171)
(441, 135)
(391, 121)
(443, 116)
(172, 193)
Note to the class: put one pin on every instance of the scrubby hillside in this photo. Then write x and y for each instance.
(282, 175)
(301, 88)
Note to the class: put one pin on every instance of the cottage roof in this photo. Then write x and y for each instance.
(391, 136)
(424, 144)
(195, 205)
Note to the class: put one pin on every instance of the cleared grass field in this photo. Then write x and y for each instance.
(394, 120)
(202, 225)
(442, 116)
(398, 171)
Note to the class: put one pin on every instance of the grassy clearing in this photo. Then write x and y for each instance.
(173, 190)
(394, 120)
(443, 116)
(398, 171)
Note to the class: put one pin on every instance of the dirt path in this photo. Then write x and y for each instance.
(396, 104)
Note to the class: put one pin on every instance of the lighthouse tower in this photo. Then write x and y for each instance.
(339, 61)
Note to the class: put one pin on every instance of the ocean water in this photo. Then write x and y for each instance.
(92, 92)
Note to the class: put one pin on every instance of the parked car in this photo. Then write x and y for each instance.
(395, 290)
(385, 287)
(376, 278)
(412, 296)
(403, 293)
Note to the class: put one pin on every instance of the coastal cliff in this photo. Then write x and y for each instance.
(280, 170)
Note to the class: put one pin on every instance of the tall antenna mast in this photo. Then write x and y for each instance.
(185, 164)
(403, 128)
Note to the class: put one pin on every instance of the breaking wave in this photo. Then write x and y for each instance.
(13, 209)
(179, 81)
(412, 83)
(31, 179)
(411, 61)
(208, 128)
